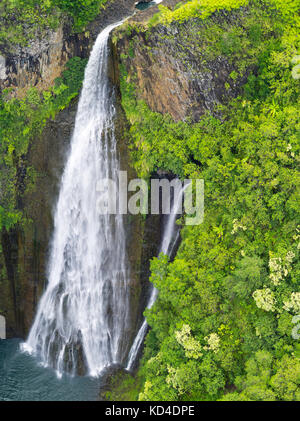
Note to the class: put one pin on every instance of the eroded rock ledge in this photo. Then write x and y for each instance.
(43, 60)
(179, 61)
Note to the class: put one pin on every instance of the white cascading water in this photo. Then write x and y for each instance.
(170, 237)
(83, 316)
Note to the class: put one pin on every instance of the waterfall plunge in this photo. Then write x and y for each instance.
(83, 316)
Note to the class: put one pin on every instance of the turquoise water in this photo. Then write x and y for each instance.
(143, 5)
(23, 379)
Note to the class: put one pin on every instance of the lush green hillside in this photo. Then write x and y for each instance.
(222, 325)
(23, 20)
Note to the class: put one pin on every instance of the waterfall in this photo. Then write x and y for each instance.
(170, 238)
(83, 316)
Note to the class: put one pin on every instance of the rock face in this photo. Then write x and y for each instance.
(143, 235)
(25, 250)
(43, 60)
(179, 62)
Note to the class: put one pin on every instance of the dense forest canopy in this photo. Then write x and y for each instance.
(222, 325)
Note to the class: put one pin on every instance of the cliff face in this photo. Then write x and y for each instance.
(26, 248)
(43, 60)
(177, 69)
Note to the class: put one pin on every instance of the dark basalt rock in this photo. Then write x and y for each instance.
(26, 248)
(172, 60)
(43, 60)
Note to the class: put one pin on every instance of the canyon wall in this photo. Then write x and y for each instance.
(177, 69)
(25, 248)
(42, 60)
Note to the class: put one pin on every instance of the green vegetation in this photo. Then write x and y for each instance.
(221, 328)
(82, 11)
(122, 386)
(24, 20)
(204, 8)
(23, 119)
(193, 9)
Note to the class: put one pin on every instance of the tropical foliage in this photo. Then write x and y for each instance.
(222, 325)
(23, 20)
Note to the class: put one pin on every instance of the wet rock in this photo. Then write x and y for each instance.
(26, 248)
(144, 15)
(175, 60)
(43, 60)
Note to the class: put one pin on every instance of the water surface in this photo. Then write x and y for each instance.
(23, 379)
